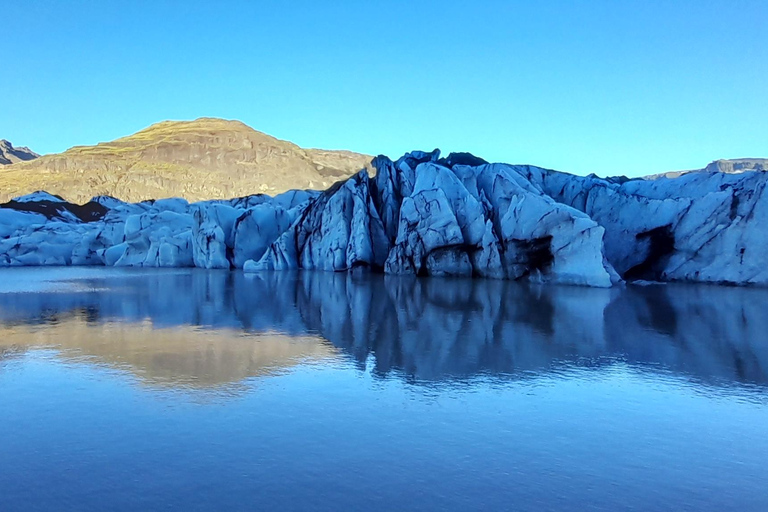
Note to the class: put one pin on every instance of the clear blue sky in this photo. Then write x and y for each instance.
(611, 87)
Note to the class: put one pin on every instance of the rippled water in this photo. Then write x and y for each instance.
(194, 390)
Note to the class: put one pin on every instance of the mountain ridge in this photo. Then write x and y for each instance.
(11, 155)
(206, 158)
(202, 159)
(726, 165)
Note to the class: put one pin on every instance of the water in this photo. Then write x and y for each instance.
(193, 390)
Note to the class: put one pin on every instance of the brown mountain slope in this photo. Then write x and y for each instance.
(202, 159)
(10, 155)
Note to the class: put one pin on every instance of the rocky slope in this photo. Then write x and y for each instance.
(203, 159)
(426, 215)
(733, 166)
(11, 155)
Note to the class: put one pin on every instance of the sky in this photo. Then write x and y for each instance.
(610, 87)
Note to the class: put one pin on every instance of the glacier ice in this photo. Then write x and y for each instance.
(428, 216)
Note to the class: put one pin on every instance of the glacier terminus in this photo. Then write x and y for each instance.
(426, 215)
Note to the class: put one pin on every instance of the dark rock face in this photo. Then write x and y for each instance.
(89, 212)
(661, 245)
(11, 155)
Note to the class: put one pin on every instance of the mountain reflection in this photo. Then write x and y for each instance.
(212, 328)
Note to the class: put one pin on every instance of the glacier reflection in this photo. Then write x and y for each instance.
(198, 326)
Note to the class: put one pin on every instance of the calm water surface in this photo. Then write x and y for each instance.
(194, 390)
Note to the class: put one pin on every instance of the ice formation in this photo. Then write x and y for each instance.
(426, 215)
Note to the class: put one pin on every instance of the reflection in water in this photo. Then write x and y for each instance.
(184, 356)
(210, 328)
(474, 394)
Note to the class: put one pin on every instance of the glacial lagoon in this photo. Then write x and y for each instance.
(212, 390)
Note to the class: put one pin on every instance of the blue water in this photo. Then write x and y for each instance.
(194, 390)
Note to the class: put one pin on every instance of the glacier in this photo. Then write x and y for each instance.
(425, 215)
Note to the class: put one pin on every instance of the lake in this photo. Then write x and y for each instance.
(212, 390)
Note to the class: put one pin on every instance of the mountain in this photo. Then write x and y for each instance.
(11, 155)
(733, 166)
(738, 165)
(207, 158)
